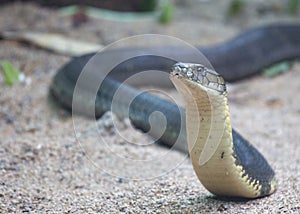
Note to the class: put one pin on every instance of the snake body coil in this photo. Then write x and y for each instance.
(246, 171)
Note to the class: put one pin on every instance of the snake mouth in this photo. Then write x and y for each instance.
(200, 74)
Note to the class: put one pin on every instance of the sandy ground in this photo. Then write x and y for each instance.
(44, 168)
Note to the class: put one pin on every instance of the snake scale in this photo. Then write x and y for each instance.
(236, 168)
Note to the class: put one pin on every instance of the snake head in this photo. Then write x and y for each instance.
(200, 74)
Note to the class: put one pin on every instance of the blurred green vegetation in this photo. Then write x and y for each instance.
(236, 7)
(167, 13)
(276, 69)
(149, 5)
(293, 6)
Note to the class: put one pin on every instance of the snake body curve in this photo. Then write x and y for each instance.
(243, 56)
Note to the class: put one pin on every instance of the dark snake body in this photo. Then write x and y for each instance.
(241, 57)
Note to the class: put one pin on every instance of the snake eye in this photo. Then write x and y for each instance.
(189, 73)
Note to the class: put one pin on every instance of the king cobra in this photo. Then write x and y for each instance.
(235, 168)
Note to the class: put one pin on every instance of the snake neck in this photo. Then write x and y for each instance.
(210, 142)
(208, 124)
(206, 119)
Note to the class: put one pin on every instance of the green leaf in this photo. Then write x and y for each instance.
(167, 13)
(276, 69)
(11, 74)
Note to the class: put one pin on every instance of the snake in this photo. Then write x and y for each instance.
(234, 168)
